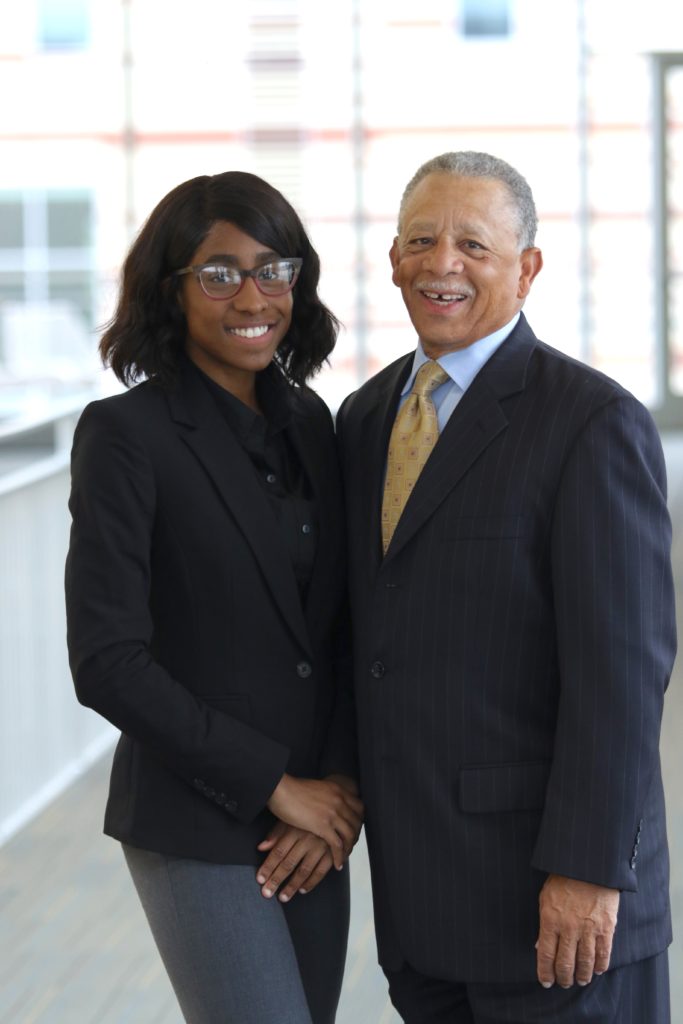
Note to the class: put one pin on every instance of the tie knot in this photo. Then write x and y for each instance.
(429, 376)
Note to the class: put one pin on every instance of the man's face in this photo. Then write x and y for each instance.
(457, 261)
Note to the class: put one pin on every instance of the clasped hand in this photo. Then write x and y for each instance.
(577, 922)
(319, 824)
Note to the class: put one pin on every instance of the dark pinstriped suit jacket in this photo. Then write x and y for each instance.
(512, 653)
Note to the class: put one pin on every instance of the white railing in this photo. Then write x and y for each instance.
(46, 737)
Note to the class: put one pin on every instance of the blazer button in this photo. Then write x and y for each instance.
(304, 669)
(377, 670)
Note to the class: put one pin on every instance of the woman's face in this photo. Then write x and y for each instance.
(232, 339)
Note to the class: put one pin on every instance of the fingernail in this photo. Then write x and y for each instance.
(581, 983)
(599, 973)
(260, 879)
(267, 892)
(547, 984)
(303, 891)
(284, 897)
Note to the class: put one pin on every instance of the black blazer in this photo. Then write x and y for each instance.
(512, 652)
(185, 625)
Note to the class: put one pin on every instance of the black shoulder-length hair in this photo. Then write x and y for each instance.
(147, 333)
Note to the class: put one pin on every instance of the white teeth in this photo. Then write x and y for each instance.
(250, 332)
(443, 296)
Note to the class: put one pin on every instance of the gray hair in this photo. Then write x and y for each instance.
(468, 164)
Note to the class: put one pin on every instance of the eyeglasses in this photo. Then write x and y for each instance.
(223, 281)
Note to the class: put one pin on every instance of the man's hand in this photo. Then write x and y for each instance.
(324, 807)
(298, 857)
(576, 930)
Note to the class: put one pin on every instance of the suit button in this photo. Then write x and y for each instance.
(377, 670)
(304, 669)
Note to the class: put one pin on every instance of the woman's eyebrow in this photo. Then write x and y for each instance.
(226, 257)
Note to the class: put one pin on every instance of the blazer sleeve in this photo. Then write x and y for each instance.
(614, 611)
(109, 624)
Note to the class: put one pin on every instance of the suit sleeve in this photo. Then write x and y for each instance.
(614, 612)
(110, 627)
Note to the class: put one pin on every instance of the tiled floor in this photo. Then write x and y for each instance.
(74, 946)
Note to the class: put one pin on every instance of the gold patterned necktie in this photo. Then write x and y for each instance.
(414, 434)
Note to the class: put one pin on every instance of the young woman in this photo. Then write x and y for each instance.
(205, 600)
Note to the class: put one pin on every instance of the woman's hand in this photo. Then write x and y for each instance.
(298, 857)
(321, 806)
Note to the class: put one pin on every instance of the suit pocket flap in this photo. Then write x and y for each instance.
(486, 788)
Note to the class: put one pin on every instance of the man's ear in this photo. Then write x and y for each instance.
(394, 256)
(531, 262)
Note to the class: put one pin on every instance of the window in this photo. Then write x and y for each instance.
(63, 24)
(486, 18)
(46, 260)
(11, 224)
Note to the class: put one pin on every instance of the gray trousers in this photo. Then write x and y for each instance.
(233, 956)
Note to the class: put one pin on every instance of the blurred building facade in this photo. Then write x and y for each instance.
(109, 104)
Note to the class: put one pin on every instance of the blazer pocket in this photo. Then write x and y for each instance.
(488, 788)
(495, 527)
(234, 704)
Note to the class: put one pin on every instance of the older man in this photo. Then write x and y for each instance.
(514, 622)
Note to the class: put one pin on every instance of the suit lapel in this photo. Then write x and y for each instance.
(377, 422)
(477, 419)
(203, 429)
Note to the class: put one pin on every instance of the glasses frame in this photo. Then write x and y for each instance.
(296, 261)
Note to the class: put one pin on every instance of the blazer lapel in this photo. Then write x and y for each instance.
(203, 429)
(323, 478)
(477, 419)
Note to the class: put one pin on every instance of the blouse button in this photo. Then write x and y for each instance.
(271, 478)
(306, 528)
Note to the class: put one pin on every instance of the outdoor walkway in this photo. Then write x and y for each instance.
(74, 945)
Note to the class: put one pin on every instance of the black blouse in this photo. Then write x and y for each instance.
(266, 440)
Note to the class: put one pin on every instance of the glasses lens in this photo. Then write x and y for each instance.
(278, 277)
(220, 282)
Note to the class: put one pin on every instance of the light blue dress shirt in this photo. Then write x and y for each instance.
(462, 366)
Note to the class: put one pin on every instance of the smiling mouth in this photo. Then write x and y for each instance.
(445, 297)
(250, 332)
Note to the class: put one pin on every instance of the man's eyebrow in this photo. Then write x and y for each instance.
(426, 226)
(419, 225)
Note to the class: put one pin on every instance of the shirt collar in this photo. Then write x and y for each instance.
(274, 398)
(463, 365)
